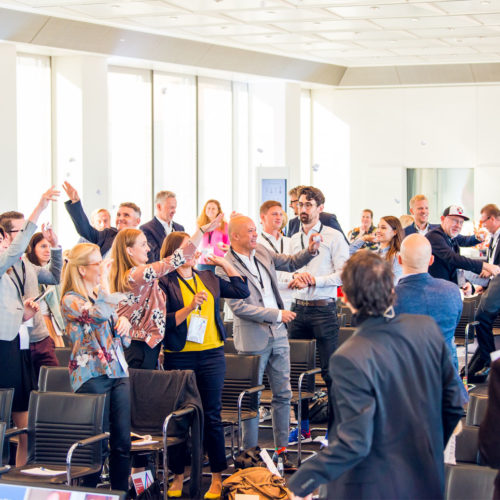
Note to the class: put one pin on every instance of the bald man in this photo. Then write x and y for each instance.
(417, 292)
(259, 322)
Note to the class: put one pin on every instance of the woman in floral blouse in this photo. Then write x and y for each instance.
(97, 364)
(144, 304)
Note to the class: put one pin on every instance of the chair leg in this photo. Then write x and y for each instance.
(232, 442)
(467, 357)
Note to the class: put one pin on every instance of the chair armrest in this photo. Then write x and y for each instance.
(15, 431)
(467, 326)
(312, 371)
(4, 469)
(248, 392)
(74, 446)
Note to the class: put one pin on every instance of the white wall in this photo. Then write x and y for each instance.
(390, 130)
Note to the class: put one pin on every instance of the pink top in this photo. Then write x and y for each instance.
(144, 306)
(210, 242)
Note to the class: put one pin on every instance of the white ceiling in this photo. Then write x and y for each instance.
(342, 32)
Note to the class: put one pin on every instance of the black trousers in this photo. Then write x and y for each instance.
(140, 355)
(320, 323)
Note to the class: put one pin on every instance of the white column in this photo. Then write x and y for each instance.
(292, 134)
(8, 128)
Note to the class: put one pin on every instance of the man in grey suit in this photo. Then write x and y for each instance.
(259, 322)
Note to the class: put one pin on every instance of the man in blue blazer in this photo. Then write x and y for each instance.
(325, 218)
(128, 216)
(419, 208)
(162, 224)
(417, 292)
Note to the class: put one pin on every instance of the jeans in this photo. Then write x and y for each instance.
(320, 323)
(210, 368)
(116, 421)
(275, 361)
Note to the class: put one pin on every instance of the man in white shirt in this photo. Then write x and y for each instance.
(489, 305)
(419, 208)
(315, 290)
(162, 224)
(271, 218)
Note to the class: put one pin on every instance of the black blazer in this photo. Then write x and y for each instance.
(175, 336)
(325, 218)
(396, 400)
(447, 258)
(412, 229)
(104, 239)
(155, 234)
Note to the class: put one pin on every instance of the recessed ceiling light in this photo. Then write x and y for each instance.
(271, 12)
(374, 7)
(122, 39)
(173, 17)
(223, 27)
(393, 41)
(414, 19)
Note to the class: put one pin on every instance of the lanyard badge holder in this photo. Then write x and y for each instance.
(197, 327)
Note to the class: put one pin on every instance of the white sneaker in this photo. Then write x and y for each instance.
(264, 414)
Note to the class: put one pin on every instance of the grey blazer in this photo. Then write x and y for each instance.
(35, 276)
(254, 323)
(11, 299)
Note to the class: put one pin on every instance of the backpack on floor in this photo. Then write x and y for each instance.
(318, 412)
(255, 481)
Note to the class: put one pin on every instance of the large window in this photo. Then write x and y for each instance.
(33, 130)
(175, 142)
(130, 139)
(215, 142)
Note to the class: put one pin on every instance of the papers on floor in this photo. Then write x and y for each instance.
(42, 471)
(141, 440)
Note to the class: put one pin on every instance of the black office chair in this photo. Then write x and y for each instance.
(6, 397)
(476, 409)
(54, 379)
(228, 326)
(240, 393)
(468, 481)
(64, 433)
(63, 354)
(465, 330)
(467, 445)
(229, 346)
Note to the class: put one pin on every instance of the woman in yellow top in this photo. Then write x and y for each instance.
(194, 339)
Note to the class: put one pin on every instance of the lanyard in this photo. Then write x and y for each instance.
(210, 237)
(493, 247)
(272, 244)
(188, 286)
(302, 233)
(237, 257)
(20, 282)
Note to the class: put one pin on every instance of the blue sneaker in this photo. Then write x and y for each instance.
(293, 437)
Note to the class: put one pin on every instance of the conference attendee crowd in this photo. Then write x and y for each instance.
(149, 297)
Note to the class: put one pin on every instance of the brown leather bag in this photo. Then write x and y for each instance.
(255, 481)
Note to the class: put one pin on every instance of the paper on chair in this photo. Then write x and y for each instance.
(42, 471)
(144, 442)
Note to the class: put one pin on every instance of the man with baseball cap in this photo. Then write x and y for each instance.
(446, 241)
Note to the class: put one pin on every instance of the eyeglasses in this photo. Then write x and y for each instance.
(306, 205)
(482, 221)
(292, 202)
(14, 231)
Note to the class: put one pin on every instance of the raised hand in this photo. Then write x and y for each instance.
(213, 224)
(314, 241)
(49, 234)
(71, 192)
(51, 194)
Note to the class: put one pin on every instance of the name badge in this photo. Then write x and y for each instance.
(197, 327)
(24, 335)
(117, 344)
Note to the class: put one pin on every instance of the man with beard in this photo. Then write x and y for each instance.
(316, 289)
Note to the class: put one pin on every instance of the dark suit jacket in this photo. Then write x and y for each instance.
(325, 218)
(175, 336)
(489, 432)
(155, 234)
(396, 400)
(412, 229)
(447, 258)
(104, 239)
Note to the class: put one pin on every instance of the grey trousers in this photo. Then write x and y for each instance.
(275, 362)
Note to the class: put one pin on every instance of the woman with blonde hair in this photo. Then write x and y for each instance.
(215, 242)
(97, 363)
(144, 303)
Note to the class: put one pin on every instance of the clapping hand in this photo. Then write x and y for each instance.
(213, 224)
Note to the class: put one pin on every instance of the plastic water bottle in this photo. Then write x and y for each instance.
(280, 466)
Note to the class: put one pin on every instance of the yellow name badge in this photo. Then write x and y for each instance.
(197, 328)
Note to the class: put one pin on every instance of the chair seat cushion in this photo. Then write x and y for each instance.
(76, 471)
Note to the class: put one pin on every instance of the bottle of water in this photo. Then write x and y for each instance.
(280, 466)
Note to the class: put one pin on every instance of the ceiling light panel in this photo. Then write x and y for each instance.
(470, 7)
(426, 22)
(456, 32)
(273, 15)
(230, 29)
(377, 34)
(382, 11)
(178, 20)
(273, 38)
(123, 9)
(433, 50)
(223, 5)
(390, 44)
(328, 26)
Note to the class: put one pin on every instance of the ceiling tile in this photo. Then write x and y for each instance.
(273, 38)
(274, 15)
(456, 32)
(223, 5)
(178, 20)
(124, 9)
(367, 35)
(375, 11)
(230, 29)
(433, 50)
(425, 22)
(489, 19)
(322, 26)
(391, 44)
(469, 7)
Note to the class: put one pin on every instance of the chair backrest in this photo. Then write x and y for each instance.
(242, 372)
(54, 379)
(467, 316)
(6, 397)
(467, 445)
(347, 313)
(302, 359)
(56, 420)
(476, 409)
(228, 326)
(467, 481)
(344, 333)
(63, 354)
(229, 346)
